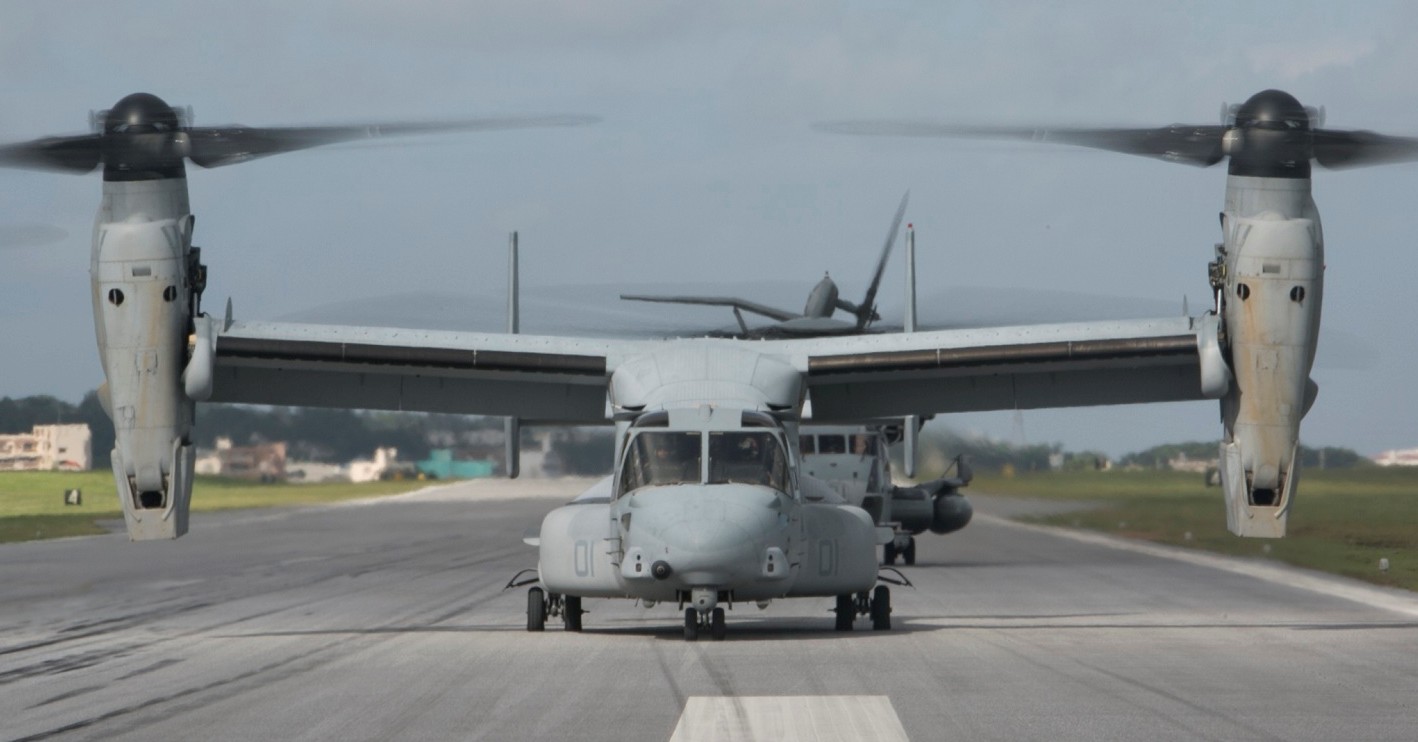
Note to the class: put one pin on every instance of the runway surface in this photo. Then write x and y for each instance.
(388, 621)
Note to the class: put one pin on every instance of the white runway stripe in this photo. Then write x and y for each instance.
(1398, 601)
(789, 719)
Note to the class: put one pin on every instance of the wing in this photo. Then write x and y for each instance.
(1064, 365)
(566, 380)
(536, 378)
(718, 301)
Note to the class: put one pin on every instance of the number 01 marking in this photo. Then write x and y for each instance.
(827, 557)
(585, 567)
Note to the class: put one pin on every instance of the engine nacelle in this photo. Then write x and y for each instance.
(929, 508)
(142, 313)
(1271, 304)
(952, 512)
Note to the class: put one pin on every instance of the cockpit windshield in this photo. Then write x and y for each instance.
(661, 457)
(748, 457)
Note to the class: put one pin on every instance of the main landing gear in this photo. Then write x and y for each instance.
(540, 606)
(876, 604)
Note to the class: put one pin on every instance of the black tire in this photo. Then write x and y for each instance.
(536, 609)
(571, 613)
(889, 553)
(691, 625)
(717, 628)
(881, 608)
(910, 553)
(846, 612)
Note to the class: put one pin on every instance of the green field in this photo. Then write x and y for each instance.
(1343, 520)
(32, 503)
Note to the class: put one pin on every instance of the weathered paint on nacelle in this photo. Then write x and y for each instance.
(1272, 297)
(141, 314)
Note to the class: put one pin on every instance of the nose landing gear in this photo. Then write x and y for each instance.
(694, 621)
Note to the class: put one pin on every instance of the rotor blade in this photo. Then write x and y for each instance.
(866, 311)
(1339, 149)
(211, 146)
(1192, 145)
(718, 301)
(77, 154)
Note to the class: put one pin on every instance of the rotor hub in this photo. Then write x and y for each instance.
(1271, 137)
(140, 113)
(1275, 110)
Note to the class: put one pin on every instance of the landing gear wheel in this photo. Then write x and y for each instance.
(536, 609)
(889, 555)
(717, 629)
(881, 608)
(691, 625)
(910, 553)
(846, 612)
(571, 613)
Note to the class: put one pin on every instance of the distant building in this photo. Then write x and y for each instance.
(264, 462)
(1198, 466)
(315, 472)
(48, 448)
(1403, 457)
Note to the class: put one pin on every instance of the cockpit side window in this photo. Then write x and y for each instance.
(831, 444)
(661, 458)
(864, 445)
(807, 444)
(748, 458)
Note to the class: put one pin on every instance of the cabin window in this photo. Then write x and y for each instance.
(807, 444)
(832, 444)
(747, 458)
(661, 458)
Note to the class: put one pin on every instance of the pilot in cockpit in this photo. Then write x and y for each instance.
(675, 458)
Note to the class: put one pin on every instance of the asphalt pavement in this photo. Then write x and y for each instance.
(388, 620)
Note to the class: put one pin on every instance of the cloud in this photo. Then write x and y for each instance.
(30, 235)
(1291, 62)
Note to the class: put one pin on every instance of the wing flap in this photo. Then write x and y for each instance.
(1082, 364)
(535, 378)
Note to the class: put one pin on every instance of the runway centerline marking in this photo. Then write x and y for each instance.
(789, 719)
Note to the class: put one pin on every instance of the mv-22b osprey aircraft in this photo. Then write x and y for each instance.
(707, 505)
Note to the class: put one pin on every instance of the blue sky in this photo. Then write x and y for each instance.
(704, 167)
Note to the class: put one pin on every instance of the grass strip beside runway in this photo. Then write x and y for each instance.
(32, 503)
(1343, 521)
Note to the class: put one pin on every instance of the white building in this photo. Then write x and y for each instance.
(1404, 457)
(48, 448)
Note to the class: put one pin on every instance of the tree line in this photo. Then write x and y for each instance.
(315, 434)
